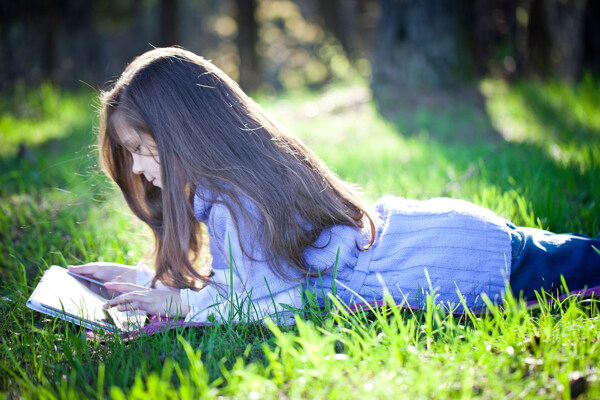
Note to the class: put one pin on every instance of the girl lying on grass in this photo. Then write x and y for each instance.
(188, 147)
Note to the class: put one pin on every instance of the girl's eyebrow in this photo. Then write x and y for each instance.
(128, 142)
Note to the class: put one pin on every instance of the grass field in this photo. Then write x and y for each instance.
(529, 151)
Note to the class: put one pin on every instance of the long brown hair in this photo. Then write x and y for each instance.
(210, 133)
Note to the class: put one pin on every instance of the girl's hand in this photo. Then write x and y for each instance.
(159, 302)
(106, 272)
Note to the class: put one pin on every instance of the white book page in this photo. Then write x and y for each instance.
(81, 297)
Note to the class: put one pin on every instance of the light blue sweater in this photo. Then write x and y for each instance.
(444, 246)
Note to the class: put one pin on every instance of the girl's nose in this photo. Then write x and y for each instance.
(136, 168)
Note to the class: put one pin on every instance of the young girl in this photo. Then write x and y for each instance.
(188, 147)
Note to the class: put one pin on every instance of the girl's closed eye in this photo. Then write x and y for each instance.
(135, 149)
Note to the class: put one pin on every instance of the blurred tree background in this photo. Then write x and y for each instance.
(402, 46)
(267, 44)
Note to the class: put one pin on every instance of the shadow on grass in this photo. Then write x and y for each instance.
(450, 117)
(557, 171)
(47, 190)
(46, 137)
(562, 122)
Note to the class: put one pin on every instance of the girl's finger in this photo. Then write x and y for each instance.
(123, 286)
(82, 269)
(132, 306)
(124, 298)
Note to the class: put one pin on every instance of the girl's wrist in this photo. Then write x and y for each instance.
(185, 309)
(143, 275)
(184, 298)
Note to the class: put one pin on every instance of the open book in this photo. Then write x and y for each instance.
(79, 299)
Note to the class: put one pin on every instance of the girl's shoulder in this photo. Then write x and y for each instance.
(203, 202)
(210, 205)
(436, 207)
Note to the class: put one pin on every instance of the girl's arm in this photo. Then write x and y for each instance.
(165, 302)
(216, 299)
(105, 272)
(243, 286)
(140, 275)
(135, 283)
(226, 305)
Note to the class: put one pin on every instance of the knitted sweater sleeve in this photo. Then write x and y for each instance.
(243, 287)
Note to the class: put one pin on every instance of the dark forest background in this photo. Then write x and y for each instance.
(492, 101)
(401, 45)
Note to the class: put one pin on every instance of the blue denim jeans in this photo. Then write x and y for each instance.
(539, 258)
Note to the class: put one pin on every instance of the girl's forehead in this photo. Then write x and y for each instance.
(126, 134)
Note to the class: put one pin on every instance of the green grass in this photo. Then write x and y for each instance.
(529, 151)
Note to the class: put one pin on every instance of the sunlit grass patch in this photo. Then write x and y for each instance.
(34, 117)
(387, 352)
(57, 208)
(562, 119)
(519, 180)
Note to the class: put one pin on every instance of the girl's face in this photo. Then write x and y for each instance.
(144, 153)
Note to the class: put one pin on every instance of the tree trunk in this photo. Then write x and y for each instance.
(591, 49)
(329, 11)
(420, 45)
(538, 42)
(341, 19)
(485, 32)
(564, 21)
(246, 42)
(169, 32)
